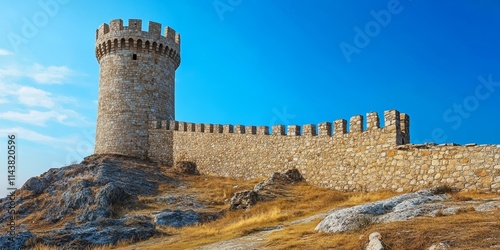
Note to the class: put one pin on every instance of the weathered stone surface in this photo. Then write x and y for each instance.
(429, 202)
(176, 218)
(243, 200)
(394, 209)
(489, 206)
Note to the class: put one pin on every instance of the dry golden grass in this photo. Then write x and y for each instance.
(301, 200)
(303, 236)
(471, 230)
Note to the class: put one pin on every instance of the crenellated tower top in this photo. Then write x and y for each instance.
(115, 36)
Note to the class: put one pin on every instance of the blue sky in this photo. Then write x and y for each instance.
(257, 63)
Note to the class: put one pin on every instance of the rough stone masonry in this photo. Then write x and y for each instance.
(136, 117)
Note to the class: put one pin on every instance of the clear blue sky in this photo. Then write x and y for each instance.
(257, 63)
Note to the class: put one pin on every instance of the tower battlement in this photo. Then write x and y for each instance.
(115, 36)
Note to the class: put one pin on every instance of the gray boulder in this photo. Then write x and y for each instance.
(176, 218)
(397, 208)
(243, 200)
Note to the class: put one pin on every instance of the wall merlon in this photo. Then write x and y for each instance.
(173, 125)
(293, 130)
(309, 130)
(183, 126)
(404, 121)
(339, 127)
(199, 127)
(190, 127)
(325, 129)
(262, 130)
(391, 120)
(279, 130)
(154, 125)
(218, 128)
(372, 121)
(356, 124)
(239, 129)
(164, 124)
(252, 130)
(227, 129)
(209, 128)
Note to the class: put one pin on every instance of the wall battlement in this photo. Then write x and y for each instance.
(115, 36)
(395, 122)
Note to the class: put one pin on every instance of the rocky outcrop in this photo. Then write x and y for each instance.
(91, 198)
(265, 190)
(428, 202)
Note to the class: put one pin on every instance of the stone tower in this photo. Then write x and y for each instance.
(137, 77)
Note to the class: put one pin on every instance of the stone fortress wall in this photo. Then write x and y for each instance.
(136, 117)
(374, 159)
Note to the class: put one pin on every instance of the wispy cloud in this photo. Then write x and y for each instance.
(5, 52)
(39, 73)
(30, 135)
(33, 117)
(50, 74)
(27, 99)
(34, 97)
(66, 117)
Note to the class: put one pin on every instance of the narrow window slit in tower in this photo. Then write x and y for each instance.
(134, 57)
